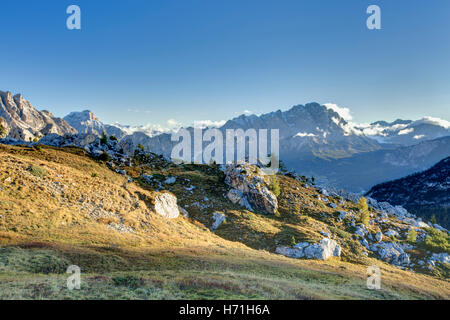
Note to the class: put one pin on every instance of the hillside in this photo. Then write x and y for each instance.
(61, 206)
(425, 193)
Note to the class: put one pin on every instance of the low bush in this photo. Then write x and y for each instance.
(37, 171)
(437, 241)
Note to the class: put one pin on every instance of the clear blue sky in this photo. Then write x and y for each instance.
(213, 59)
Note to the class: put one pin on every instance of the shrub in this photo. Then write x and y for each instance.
(274, 186)
(412, 236)
(104, 156)
(47, 263)
(2, 130)
(37, 171)
(94, 175)
(128, 281)
(113, 138)
(437, 241)
(104, 138)
(140, 147)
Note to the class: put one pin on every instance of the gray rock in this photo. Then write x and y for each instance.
(166, 205)
(238, 197)
(290, 252)
(379, 236)
(249, 181)
(392, 253)
(170, 180)
(391, 233)
(218, 219)
(361, 231)
(323, 250)
(342, 214)
(184, 212)
(439, 257)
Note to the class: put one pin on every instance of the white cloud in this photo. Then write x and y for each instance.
(343, 112)
(148, 129)
(405, 131)
(208, 123)
(247, 112)
(173, 123)
(434, 121)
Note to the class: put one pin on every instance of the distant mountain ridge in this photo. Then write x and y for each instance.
(310, 130)
(425, 193)
(315, 139)
(86, 122)
(361, 171)
(406, 132)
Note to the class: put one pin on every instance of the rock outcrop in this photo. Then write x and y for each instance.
(323, 250)
(249, 187)
(4, 128)
(166, 205)
(218, 218)
(391, 252)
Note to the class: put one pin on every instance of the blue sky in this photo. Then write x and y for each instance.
(147, 61)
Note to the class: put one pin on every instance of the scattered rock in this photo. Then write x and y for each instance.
(391, 233)
(218, 218)
(342, 214)
(170, 180)
(392, 253)
(166, 205)
(325, 249)
(183, 212)
(361, 231)
(379, 236)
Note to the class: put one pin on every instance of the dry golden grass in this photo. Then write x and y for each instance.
(107, 226)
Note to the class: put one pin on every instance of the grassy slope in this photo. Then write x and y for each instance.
(80, 212)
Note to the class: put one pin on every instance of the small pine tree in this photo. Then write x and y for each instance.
(362, 204)
(364, 218)
(293, 242)
(433, 219)
(364, 215)
(104, 156)
(275, 186)
(104, 138)
(412, 236)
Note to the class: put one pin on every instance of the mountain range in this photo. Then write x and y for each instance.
(315, 139)
(424, 193)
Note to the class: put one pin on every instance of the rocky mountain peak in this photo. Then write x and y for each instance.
(26, 122)
(85, 115)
